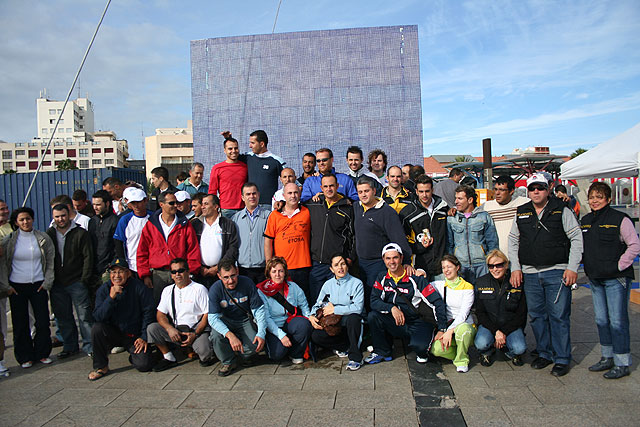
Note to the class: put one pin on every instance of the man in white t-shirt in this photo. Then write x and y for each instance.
(129, 228)
(503, 208)
(182, 318)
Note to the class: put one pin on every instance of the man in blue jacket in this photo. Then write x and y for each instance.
(124, 309)
(312, 186)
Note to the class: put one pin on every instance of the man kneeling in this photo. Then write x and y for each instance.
(124, 308)
(237, 318)
(182, 318)
(395, 302)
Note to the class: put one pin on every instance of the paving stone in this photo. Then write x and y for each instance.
(431, 387)
(71, 380)
(481, 417)
(222, 399)
(441, 417)
(553, 415)
(260, 368)
(374, 399)
(248, 418)
(88, 416)
(193, 367)
(88, 397)
(399, 417)
(297, 400)
(332, 417)
(269, 382)
(151, 398)
(201, 382)
(329, 366)
(24, 379)
(615, 414)
(462, 381)
(519, 379)
(483, 397)
(359, 380)
(423, 401)
(79, 363)
(28, 415)
(393, 366)
(138, 380)
(581, 393)
(392, 381)
(169, 417)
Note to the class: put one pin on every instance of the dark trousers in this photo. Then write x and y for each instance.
(348, 340)
(301, 277)
(160, 279)
(370, 269)
(299, 331)
(320, 273)
(25, 348)
(256, 274)
(383, 327)
(205, 281)
(105, 337)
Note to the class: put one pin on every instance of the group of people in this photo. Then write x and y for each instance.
(224, 270)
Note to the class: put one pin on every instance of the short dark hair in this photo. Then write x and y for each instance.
(560, 189)
(415, 172)
(600, 187)
(394, 166)
(226, 264)
(13, 218)
(248, 185)
(329, 175)
(104, 195)
(182, 176)
(214, 198)
(199, 196)
(325, 150)
(455, 172)
(161, 172)
(261, 136)
(452, 259)
(469, 192)
(163, 196)
(407, 164)
(365, 180)
(309, 155)
(79, 195)
(375, 153)
(61, 199)
(354, 149)
(112, 181)
(506, 179)
(232, 139)
(424, 179)
(61, 207)
(182, 261)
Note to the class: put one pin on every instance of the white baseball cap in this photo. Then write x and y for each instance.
(541, 178)
(391, 247)
(133, 194)
(182, 195)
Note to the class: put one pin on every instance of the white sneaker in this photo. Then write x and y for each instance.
(462, 369)
(26, 365)
(297, 361)
(340, 353)
(370, 348)
(116, 350)
(3, 368)
(46, 361)
(422, 359)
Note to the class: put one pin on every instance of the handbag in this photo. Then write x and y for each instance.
(330, 323)
(252, 319)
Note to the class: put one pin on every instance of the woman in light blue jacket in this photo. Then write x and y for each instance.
(287, 310)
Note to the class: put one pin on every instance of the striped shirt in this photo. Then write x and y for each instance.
(503, 216)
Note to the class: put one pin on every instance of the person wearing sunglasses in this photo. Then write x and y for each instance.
(312, 187)
(545, 248)
(127, 235)
(501, 310)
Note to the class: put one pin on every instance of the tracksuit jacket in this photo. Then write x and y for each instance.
(376, 227)
(331, 229)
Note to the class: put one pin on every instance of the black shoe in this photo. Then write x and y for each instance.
(517, 360)
(65, 354)
(540, 363)
(604, 364)
(560, 369)
(485, 360)
(248, 362)
(617, 372)
(208, 362)
(164, 364)
(226, 370)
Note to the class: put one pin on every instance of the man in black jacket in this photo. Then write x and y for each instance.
(124, 309)
(73, 277)
(161, 184)
(331, 233)
(102, 226)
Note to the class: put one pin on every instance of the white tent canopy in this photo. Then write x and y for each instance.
(618, 157)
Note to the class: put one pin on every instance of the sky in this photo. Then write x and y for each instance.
(563, 74)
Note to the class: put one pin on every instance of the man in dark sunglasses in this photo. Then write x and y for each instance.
(312, 187)
(545, 249)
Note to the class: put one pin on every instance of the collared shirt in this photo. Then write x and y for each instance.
(250, 231)
(166, 229)
(211, 242)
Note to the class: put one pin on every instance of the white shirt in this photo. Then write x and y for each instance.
(166, 229)
(211, 242)
(133, 233)
(27, 263)
(278, 196)
(192, 302)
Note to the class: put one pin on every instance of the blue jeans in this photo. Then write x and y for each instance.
(470, 273)
(370, 269)
(63, 299)
(243, 330)
(610, 304)
(516, 343)
(228, 213)
(320, 273)
(549, 306)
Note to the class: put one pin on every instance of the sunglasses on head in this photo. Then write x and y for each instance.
(179, 271)
(498, 265)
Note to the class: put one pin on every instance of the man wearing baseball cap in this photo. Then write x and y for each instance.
(545, 248)
(403, 306)
(129, 228)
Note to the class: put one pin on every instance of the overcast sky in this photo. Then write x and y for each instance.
(563, 74)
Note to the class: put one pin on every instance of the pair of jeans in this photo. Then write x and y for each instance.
(25, 348)
(229, 213)
(320, 273)
(515, 342)
(105, 336)
(549, 307)
(458, 350)
(299, 332)
(63, 300)
(470, 273)
(383, 327)
(243, 330)
(610, 304)
(370, 269)
(349, 339)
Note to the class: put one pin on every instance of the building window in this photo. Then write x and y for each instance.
(7, 154)
(52, 121)
(19, 144)
(81, 127)
(44, 130)
(83, 143)
(84, 152)
(95, 151)
(33, 154)
(69, 139)
(7, 165)
(96, 162)
(71, 153)
(19, 152)
(58, 151)
(52, 111)
(95, 143)
(46, 163)
(61, 130)
(33, 166)
(70, 143)
(108, 150)
(108, 161)
(58, 144)
(81, 117)
(32, 144)
(177, 145)
(20, 164)
(48, 151)
(84, 164)
(61, 121)
(68, 130)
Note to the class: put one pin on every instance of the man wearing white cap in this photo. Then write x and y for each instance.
(184, 203)
(130, 225)
(545, 249)
(403, 306)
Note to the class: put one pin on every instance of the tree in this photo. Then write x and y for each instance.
(578, 152)
(9, 171)
(461, 159)
(67, 164)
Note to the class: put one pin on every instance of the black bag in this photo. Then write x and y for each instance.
(252, 319)
(172, 319)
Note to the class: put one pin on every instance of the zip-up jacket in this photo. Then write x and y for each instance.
(331, 229)
(312, 186)
(403, 198)
(230, 240)
(415, 218)
(47, 257)
(376, 227)
(101, 230)
(346, 294)
(386, 294)
(78, 257)
(275, 313)
(470, 239)
(156, 251)
(499, 306)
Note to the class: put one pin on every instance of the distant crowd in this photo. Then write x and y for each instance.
(330, 263)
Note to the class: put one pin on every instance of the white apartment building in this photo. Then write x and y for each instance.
(169, 146)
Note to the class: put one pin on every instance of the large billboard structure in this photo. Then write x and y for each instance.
(334, 88)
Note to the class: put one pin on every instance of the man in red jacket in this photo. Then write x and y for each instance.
(167, 235)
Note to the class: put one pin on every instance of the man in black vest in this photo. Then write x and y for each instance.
(545, 243)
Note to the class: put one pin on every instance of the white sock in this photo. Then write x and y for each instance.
(169, 356)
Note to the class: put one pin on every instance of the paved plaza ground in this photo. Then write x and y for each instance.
(397, 393)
